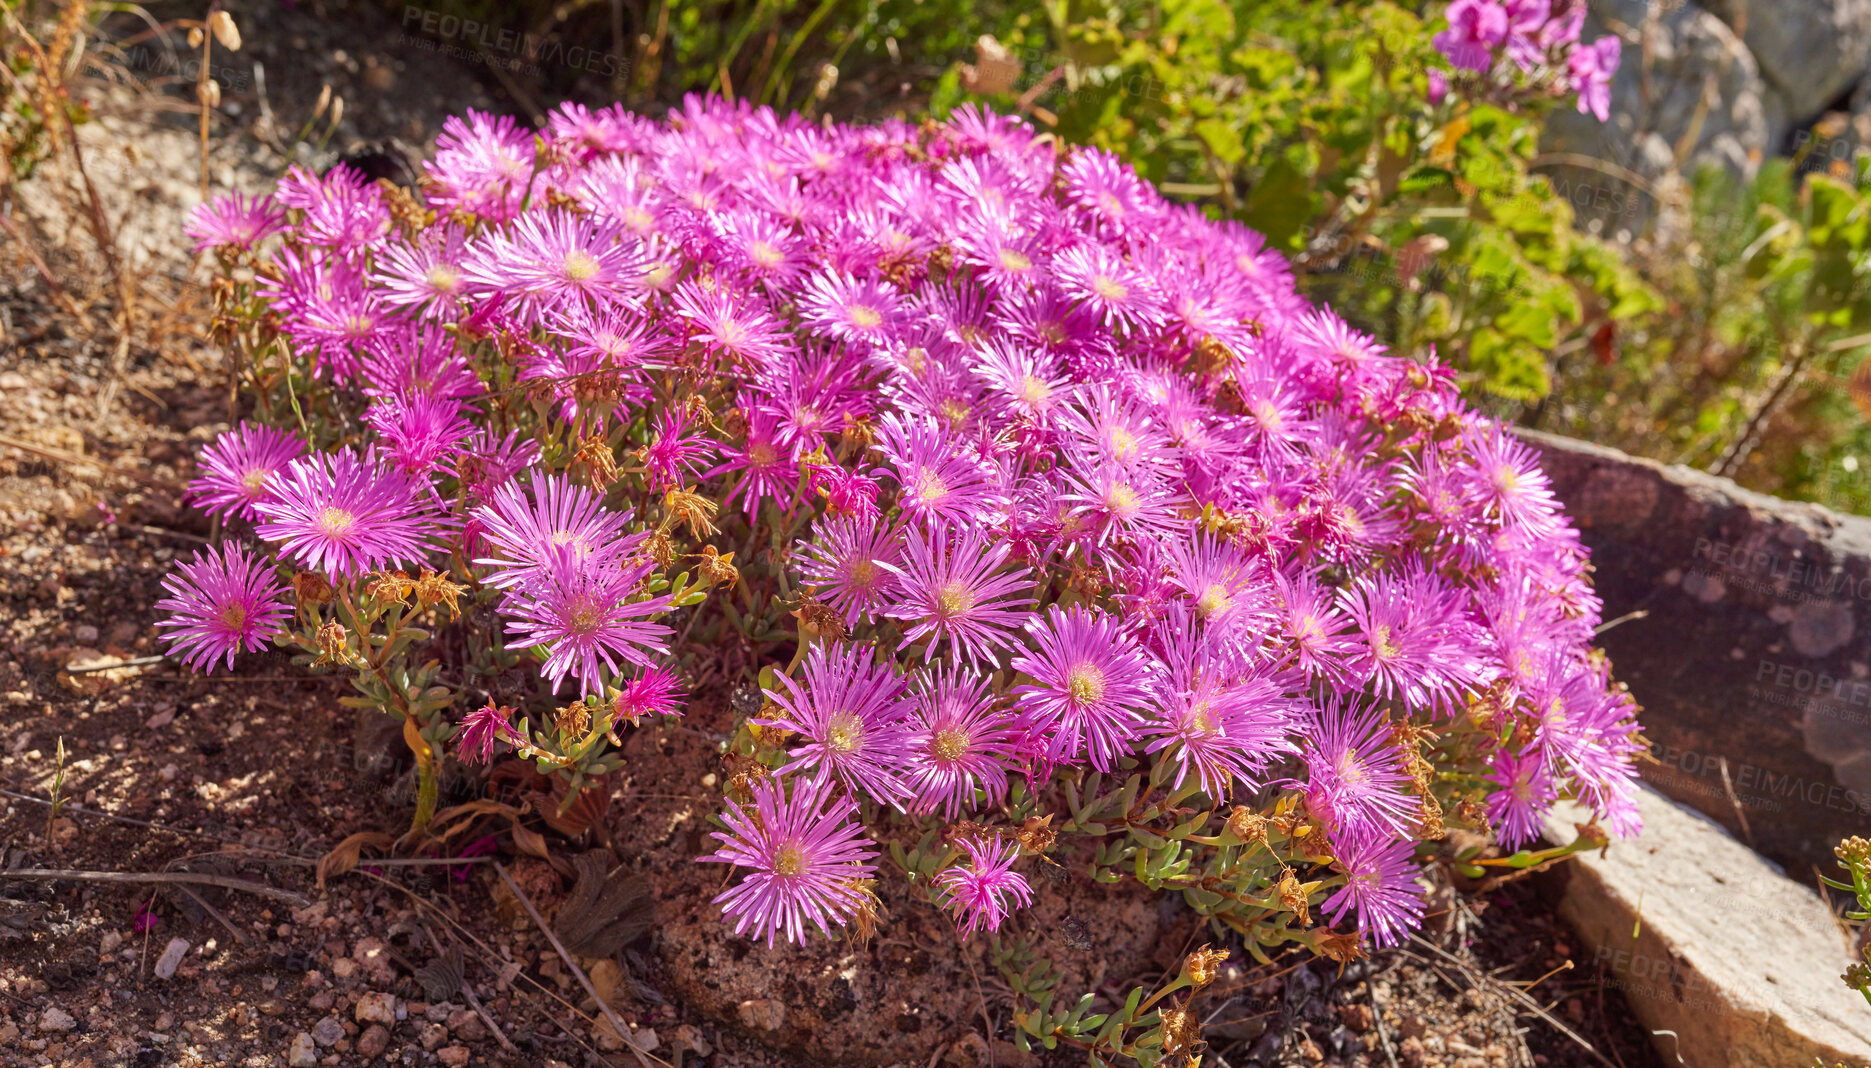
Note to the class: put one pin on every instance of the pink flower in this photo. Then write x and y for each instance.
(221, 602)
(1476, 28)
(987, 889)
(805, 854)
(1591, 67)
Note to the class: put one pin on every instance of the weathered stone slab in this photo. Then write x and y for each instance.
(1728, 963)
(1754, 662)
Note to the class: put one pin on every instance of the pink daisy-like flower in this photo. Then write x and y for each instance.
(1356, 780)
(987, 889)
(1380, 883)
(419, 433)
(849, 309)
(552, 258)
(850, 713)
(525, 529)
(654, 691)
(956, 591)
(221, 602)
(429, 276)
(767, 471)
(483, 729)
(1090, 691)
(236, 467)
(346, 514)
(851, 563)
(235, 221)
(1518, 809)
(806, 853)
(581, 611)
(1224, 729)
(734, 323)
(941, 482)
(961, 745)
(677, 455)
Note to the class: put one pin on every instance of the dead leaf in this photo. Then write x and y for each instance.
(344, 856)
(530, 842)
(606, 910)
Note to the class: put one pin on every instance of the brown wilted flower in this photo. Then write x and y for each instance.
(1341, 947)
(693, 509)
(1429, 820)
(410, 216)
(743, 773)
(867, 916)
(596, 457)
(1293, 897)
(1182, 1032)
(573, 720)
(1247, 825)
(1036, 835)
(1204, 966)
(820, 620)
(310, 588)
(434, 588)
(390, 586)
(331, 641)
(717, 568)
(768, 737)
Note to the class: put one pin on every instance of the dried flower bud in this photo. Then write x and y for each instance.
(1341, 947)
(661, 548)
(208, 93)
(1247, 825)
(1036, 835)
(324, 101)
(337, 111)
(768, 737)
(195, 37)
(867, 916)
(595, 456)
(434, 588)
(222, 25)
(717, 568)
(1293, 897)
(310, 588)
(332, 638)
(1204, 966)
(820, 620)
(573, 720)
(1182, 1032)
(390, 586)
(692, 508)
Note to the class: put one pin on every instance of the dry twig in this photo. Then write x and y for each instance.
(226, 882)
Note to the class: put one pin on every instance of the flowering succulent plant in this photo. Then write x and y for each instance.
(1053, 525)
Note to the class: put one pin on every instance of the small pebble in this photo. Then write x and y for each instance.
(302, 1053)
(171, 958)
(374, 1040)
(453, 1056)
(327, 1031)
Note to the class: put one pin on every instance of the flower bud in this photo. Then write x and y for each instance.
(311, 588)
(195, 37)
(221, 24)
(209, 93)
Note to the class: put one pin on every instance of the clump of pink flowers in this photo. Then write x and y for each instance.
(1062, 478)
(1533, 36)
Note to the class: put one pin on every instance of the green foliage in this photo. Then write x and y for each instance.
(1310, 122)
(1748, 368)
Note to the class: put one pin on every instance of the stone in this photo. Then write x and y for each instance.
(762, 1014)
(1733, 964)
(375, 1007)
(371, 955)
(374, 1040)
(111, 942)
(302, 1053)
(171, 958)
(328, 1031)
(466, 1025)
(431, 1035)
(1656, 103)
(440, 1011)
(57, 1021)
(1753, 664)
(1810, 51)
(453, 1056)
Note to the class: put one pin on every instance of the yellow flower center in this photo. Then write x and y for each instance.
(1015, 260)
(954, 411)
(929, 486)
(865, 318)
(844, 732)
(1202, 720)
(949, 744)
(254, 481)
(584, 619)
(1108, 287)
(765, 255)
(864, 574)
(580, 265)
(335, 522)
(1034, 390)
(1121, 500)
(1123, 442)
(1213, 600)
(762, 454)
(234, 616)
(443, 278)
(1086, 684)
(1383, 643)
(954, 599)
(789, 861)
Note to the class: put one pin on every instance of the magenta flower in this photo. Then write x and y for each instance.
(1380, 883)
(551, 259)
(524, 529)
(655, 691)
(849, 310)
(987, 889)
(850, 712)
(1591, 68)
(766, 471)
(1091, 688)
(237, 467)
(677, 455)
(345, 515)
(1356, 780)
(941, 483)
(582, 611)
(234, 221)
(961, 744)
(806, 856)
(957, 591)
(420, 433)
(1518, 809)
(221, 603)
(483, 729)
(852, 564)
(1476, 28)
(428, 277)
(1223, 727)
